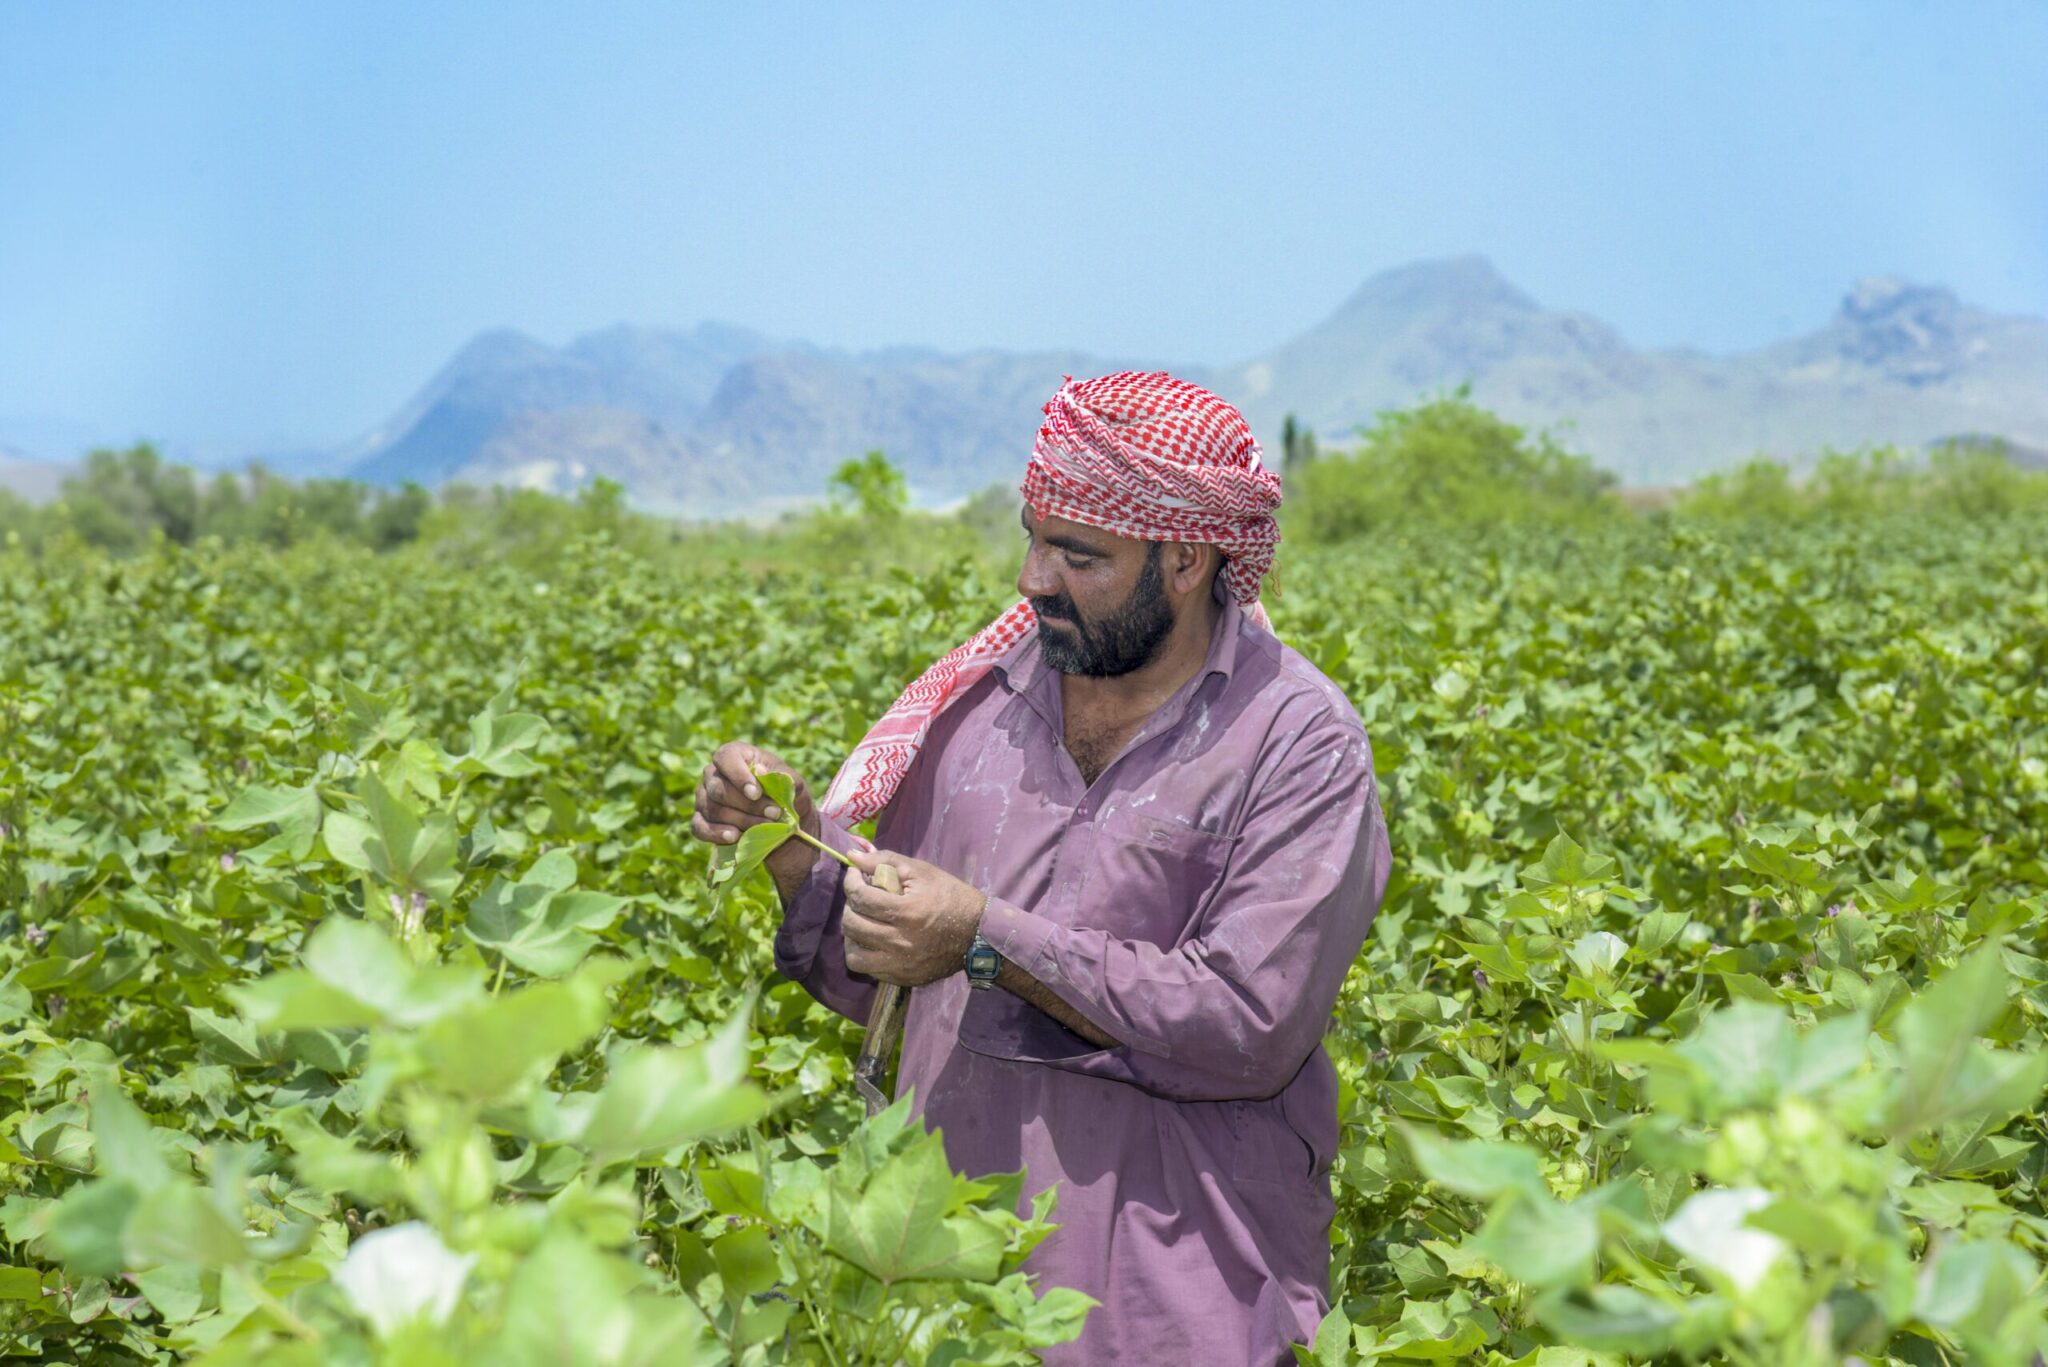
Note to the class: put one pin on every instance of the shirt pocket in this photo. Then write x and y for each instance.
(1268, 1144)
(1152, 876)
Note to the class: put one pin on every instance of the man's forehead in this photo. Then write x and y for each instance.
(1066, 529)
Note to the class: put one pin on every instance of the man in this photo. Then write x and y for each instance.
(1140, 844)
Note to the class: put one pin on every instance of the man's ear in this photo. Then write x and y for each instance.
(1190, 565)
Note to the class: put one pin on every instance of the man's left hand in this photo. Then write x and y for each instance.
(914, 938)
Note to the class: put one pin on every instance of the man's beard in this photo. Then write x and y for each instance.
(1128, 638)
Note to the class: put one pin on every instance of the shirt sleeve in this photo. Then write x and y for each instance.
(1235, 1009)
(808, 947)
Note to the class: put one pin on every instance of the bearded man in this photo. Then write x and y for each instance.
(1140, 843)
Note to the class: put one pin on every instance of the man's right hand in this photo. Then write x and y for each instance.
(729, 800)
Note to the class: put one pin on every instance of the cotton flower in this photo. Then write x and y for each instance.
(397, 1275)
(1708, 1229)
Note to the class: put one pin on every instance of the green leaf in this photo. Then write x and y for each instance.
(180, 1224)
(1566, 864)
(233, 1042)
(1539, 1240)
(657, 1099)
(1979, 1288)
(85, 1227)
(127, 1145)
(1432, 1332)
(1742, 1050)
(1835, 1049)
(746, 1261)
(354, 976)
(483, 1049)
(539, 923)
(1656, 931)
(1617, 1318)
(903, 1222)
(1947, 1074)
(567, 1305)
(1332, 1346)
(139, 912)
(779, 788)
(501, 741)
(731, 1185)
(295, 812)
(177, 1291)
(348, 837)
(405, 849)
(1480, 1169)
(754, 846)
(21, 1284)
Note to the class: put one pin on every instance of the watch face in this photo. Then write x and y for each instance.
(983, 962)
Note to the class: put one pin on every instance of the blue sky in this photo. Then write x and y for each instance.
(229, 226)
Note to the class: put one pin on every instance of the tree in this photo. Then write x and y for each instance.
(396, 518)
(1447, 462)
(875, 489)
(121, 496)
(1297, 447)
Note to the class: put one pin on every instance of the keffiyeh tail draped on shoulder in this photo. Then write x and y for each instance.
(1139, 454)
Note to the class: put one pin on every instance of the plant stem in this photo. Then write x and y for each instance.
(498, 981)
(808, 839)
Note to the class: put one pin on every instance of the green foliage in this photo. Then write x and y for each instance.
(1444, 464)
(123, 499)
(1297, 447)
(1583, 1081)
(345, 894)
(348, 1022)
(1953, 480)
(873, 489)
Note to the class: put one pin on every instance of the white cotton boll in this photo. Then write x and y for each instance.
(1708, 1229)
(403, 1273)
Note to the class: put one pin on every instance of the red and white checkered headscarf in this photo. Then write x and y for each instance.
(1139, 454)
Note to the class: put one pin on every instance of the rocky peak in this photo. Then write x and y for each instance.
(1912, 332)
(1446, 284)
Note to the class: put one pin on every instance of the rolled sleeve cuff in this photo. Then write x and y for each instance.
(1020, 936)
(999, 1025)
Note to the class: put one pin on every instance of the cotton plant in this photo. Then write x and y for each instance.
(1795, 1200)
(463, 1160)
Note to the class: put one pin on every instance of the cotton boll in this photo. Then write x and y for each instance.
(397, 1275)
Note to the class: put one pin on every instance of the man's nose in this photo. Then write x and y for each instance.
(1034, 580)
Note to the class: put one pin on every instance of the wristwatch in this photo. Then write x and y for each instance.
(983, 961)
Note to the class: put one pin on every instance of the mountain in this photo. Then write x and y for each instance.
(502, 378)
(720, 419)
(1418, 328)
(1898, 363)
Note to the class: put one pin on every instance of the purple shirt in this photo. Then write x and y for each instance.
(1200, 902)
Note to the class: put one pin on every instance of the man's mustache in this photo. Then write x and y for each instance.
(1058, 609)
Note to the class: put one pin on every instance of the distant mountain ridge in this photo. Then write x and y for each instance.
(721, 419)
